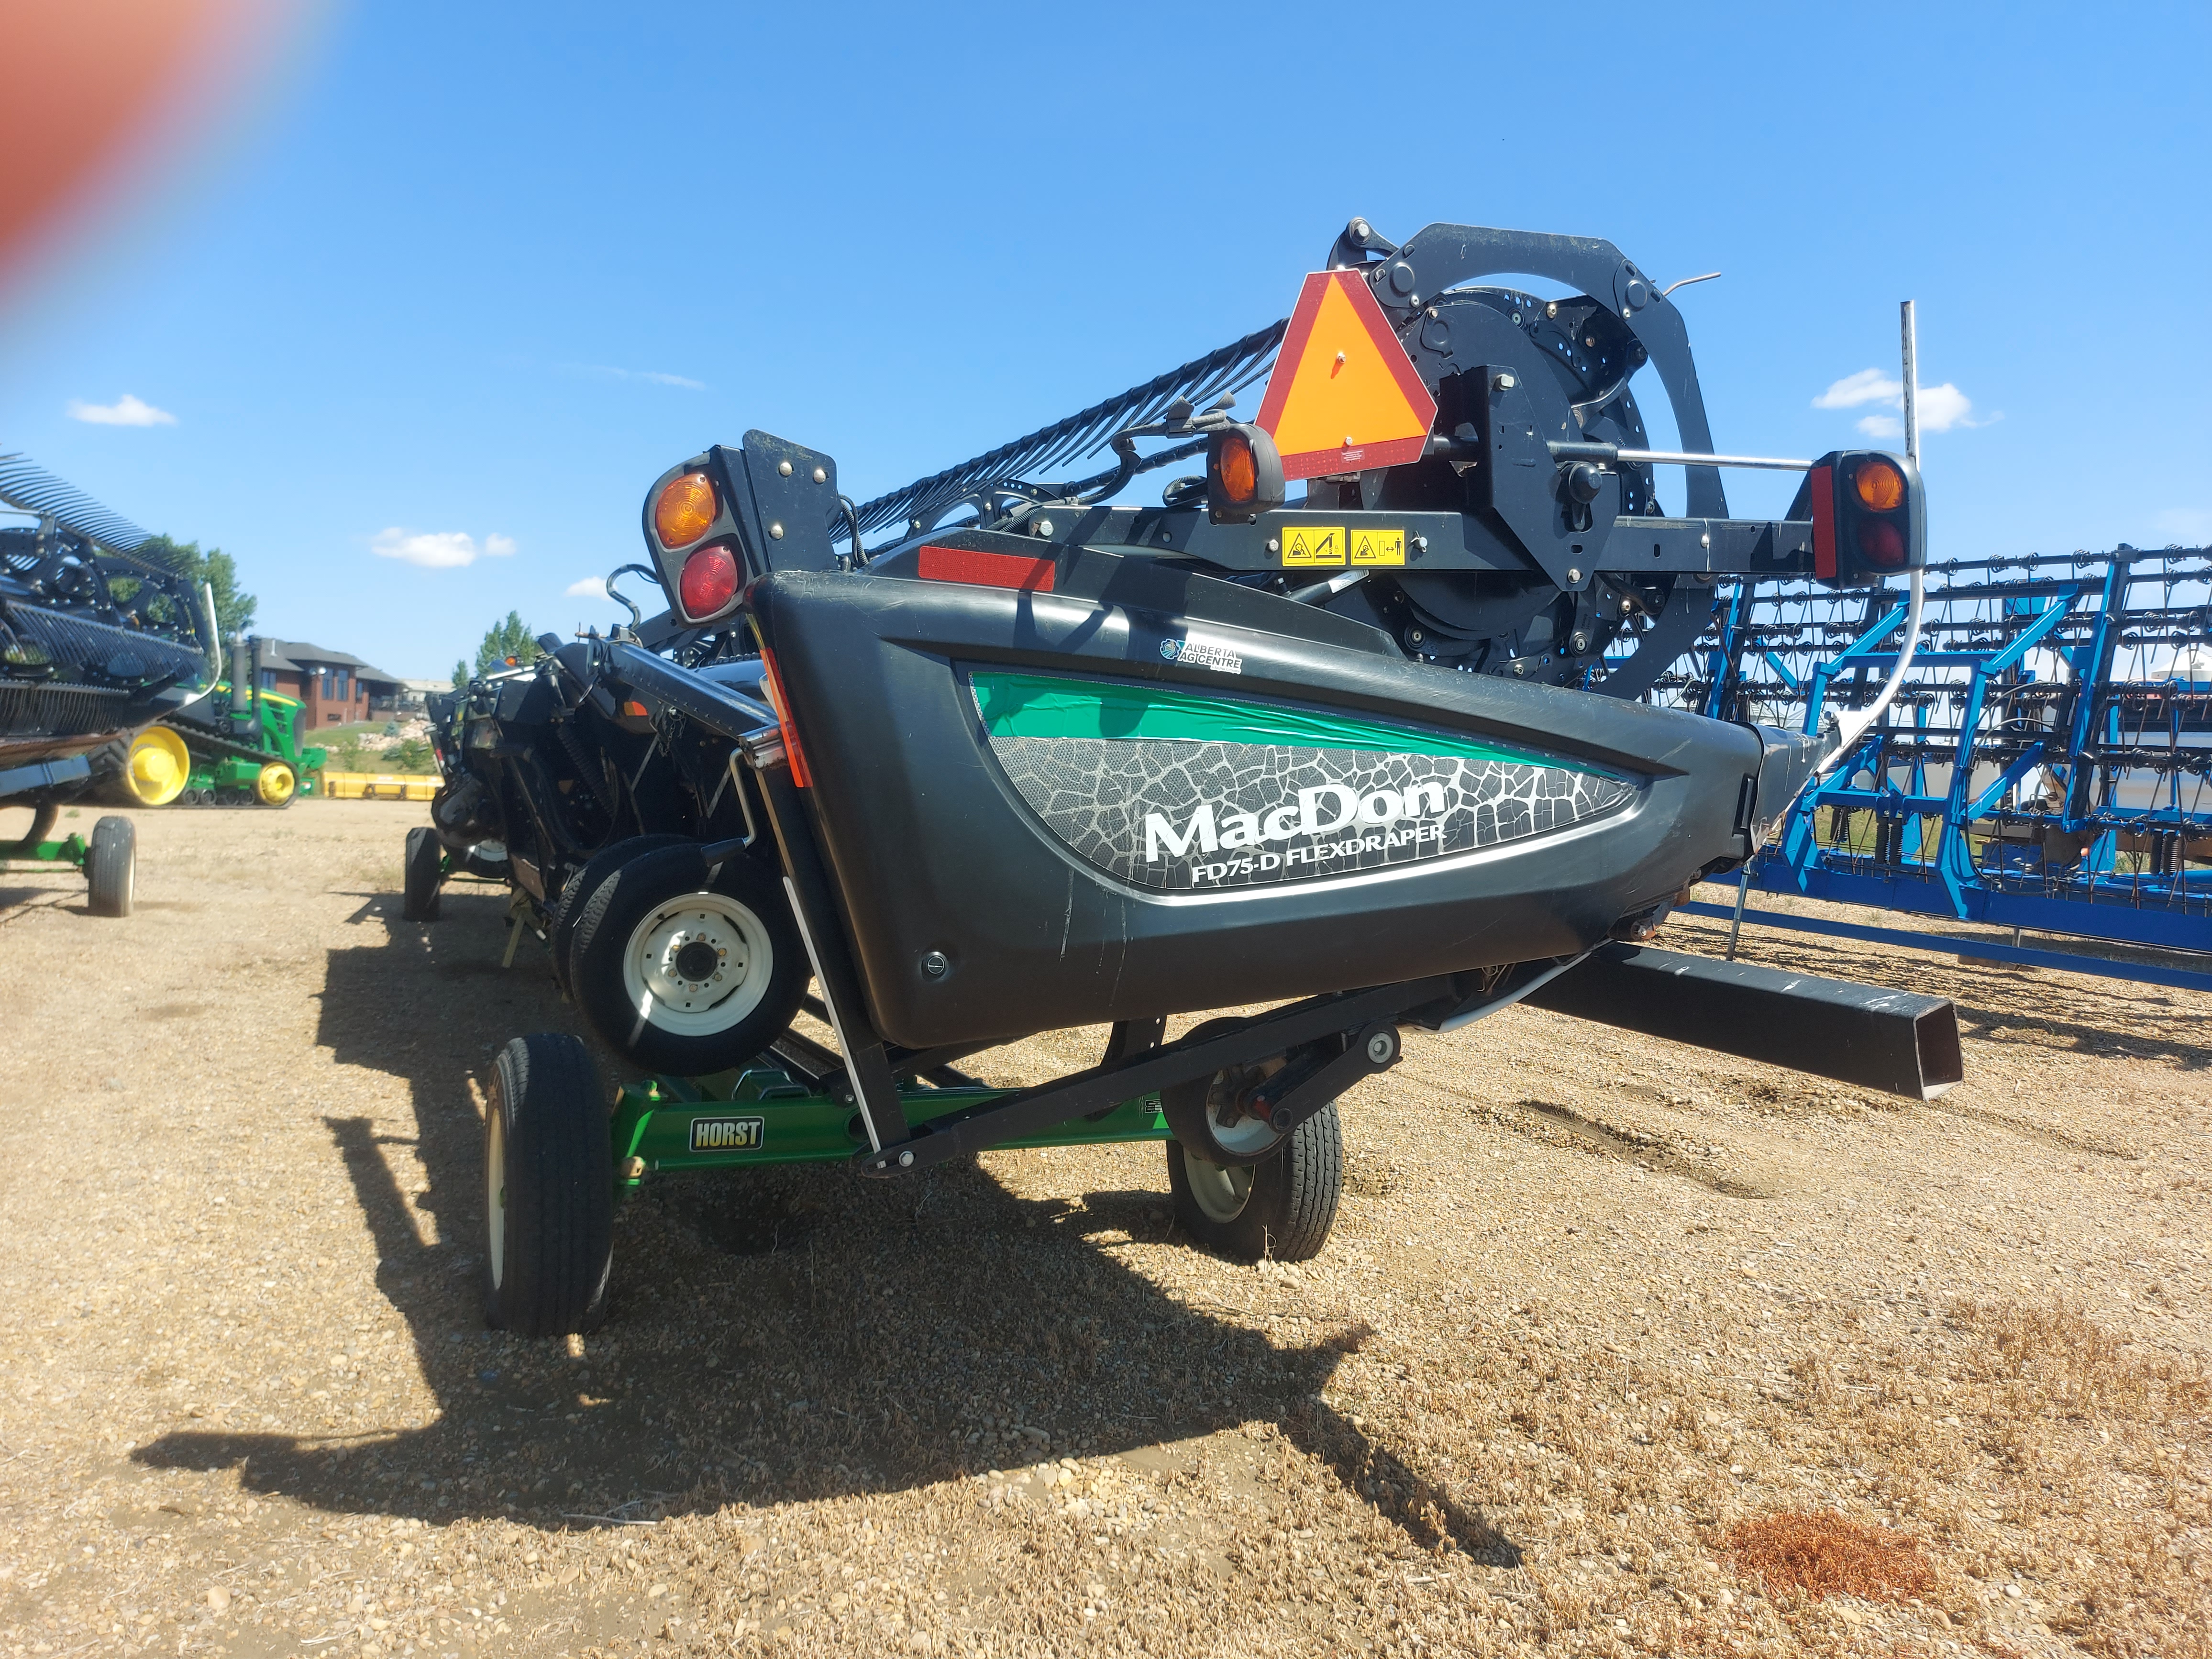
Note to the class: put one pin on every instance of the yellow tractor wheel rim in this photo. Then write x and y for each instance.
(276, 784)
(160, 766)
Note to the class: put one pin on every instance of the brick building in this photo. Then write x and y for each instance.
(335, 686)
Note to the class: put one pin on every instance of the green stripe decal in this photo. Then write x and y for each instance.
(1038, 706)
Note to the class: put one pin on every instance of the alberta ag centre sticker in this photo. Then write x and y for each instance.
(728, 1134)
(1203, 653)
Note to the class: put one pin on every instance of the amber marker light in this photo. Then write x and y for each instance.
(780, 700)
(1240, 477)
(686, 510)
(1880, 485)
(1243, 474)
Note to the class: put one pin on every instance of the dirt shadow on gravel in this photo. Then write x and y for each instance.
(788, 1334)
(2021, 1023)
(19, 900)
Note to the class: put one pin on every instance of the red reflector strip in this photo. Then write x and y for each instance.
(1822, 489)
(779, 699)
(980, 569)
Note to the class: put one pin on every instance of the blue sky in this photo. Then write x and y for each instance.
(463, 283)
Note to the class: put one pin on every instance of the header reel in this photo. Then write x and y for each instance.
(1478, 483)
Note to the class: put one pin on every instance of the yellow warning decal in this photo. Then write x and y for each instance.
(1378, 547)
(1314, 544)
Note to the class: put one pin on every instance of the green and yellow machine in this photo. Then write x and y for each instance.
(225, 751)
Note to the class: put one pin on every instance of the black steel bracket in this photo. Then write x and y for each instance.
(1035, 1110)
(1297, 1093)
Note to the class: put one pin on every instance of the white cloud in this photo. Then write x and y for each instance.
(436, 550)
(125, 411)
(592, 588)
(649, 375)
(1941, 408)
(1868, 385)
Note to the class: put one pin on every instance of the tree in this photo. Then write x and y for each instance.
(234, 605)
(460, 672)
(503, 639)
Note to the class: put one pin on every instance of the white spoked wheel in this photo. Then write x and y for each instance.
(1246, 1138)
(682, 967)
(1208, 1114)
(698, 964)
(1220, 1192)
(496, 1199)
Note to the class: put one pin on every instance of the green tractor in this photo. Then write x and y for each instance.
(223, 751)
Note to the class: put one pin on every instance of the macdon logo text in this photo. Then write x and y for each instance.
(1379, 821)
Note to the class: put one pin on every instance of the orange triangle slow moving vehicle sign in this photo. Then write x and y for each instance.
(1344, 395)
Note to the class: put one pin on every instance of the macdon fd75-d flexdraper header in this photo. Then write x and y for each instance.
(1037, 759)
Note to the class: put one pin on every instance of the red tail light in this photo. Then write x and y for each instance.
(1883, 544)
(709, 581)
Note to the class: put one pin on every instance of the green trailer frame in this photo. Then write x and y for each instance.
(72, 849)
(762, 1115)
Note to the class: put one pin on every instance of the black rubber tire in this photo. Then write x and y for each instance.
(624, 898)
(1291, 1204)
(548, 1190)
(420, 872)
(561, 925)
(111, 867)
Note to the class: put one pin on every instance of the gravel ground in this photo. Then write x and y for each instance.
(1592, 1302)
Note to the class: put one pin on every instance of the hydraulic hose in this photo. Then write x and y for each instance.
(208, 624)
(1854, 723)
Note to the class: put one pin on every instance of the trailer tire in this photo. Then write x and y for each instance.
(1281, 1207)
(111, 867)
(548, 1190)
(629, 977)
(420, 872)
(568, 908)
